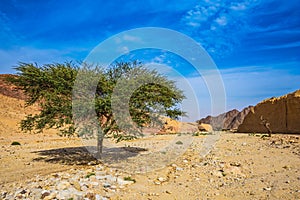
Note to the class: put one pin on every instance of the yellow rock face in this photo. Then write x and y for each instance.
(282, 113)
(205, 127)
(172, 126)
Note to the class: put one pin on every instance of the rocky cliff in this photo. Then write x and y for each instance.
(282, 114)
(229, 120)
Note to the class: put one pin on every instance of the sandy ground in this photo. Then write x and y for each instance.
(239, 166)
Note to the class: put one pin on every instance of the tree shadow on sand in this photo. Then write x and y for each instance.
(85, 155)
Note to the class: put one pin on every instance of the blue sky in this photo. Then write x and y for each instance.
(255, 44)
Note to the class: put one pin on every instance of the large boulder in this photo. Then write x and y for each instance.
(205, 127)
(282, 115)
(172, 126)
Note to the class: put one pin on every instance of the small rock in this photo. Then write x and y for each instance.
(63, 185)
(157, 182)
(218, 173)
(94, 183)
(106, 185)
(77, 186)
(84, 188)
(123, 182)
(50, 196)
(161, 179)
(45, 193)
(286, 167)
(267, 188)
(98, 197)
(99, 168)
(3, 194)
(90, 196)
(113, 187)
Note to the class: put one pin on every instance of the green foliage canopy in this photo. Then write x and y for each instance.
(125, 97)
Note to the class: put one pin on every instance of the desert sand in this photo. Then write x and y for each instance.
(236, 166)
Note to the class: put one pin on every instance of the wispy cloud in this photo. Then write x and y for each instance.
(131, 38)
(221, 26)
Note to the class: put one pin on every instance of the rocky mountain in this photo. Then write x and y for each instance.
(226, 121)
(282, 115)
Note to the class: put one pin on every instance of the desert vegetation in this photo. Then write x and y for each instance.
(51, 87)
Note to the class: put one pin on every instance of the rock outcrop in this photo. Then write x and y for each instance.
(172, 126)
(205, 127)
(282, 114)
(226, 121)
(238, 119)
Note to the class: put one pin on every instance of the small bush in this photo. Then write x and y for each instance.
(128, 178)
(196, 134)
(89, 175)
(15, 143)
(179, 143)
(201, 133)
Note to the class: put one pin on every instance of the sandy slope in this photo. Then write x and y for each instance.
(16, 162)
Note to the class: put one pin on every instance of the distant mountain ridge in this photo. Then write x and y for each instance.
(226, 121)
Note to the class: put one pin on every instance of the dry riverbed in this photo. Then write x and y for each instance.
(238, 166)
(230, 166)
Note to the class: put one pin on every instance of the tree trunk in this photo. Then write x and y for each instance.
(99, 146)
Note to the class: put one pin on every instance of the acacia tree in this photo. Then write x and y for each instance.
(126, 97)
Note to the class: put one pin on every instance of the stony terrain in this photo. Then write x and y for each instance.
(239, 166)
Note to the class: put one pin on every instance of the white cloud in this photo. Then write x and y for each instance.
(131, 38)
(222, 21)
(159, 59)
(238, 6)
(281, 46)
(218, 25)
(123, 49)
(199, 14)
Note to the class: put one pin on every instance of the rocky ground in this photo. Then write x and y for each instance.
(224, 166)
(238, 167)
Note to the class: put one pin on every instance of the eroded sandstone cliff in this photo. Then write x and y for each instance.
(282, 114)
